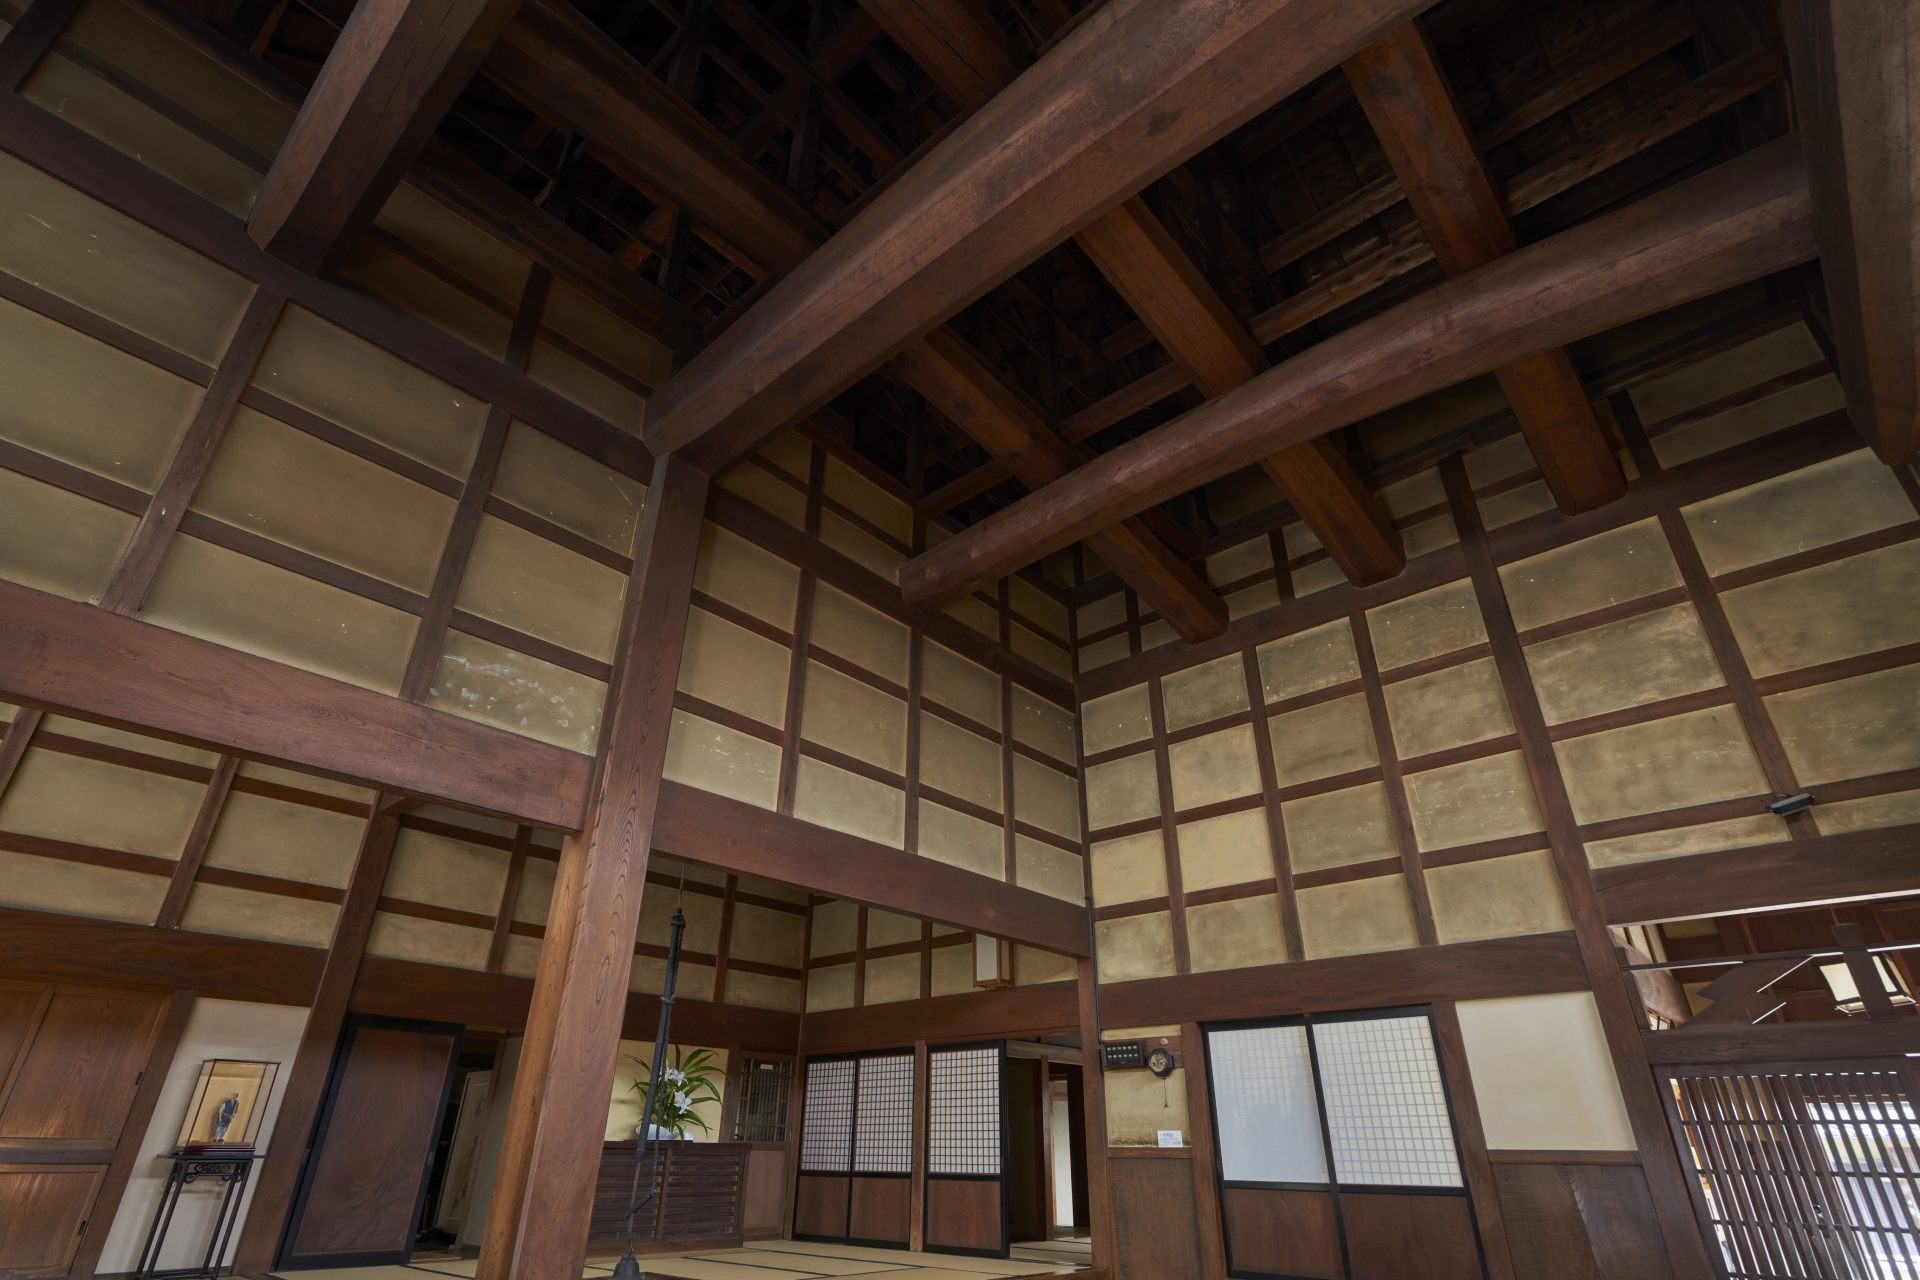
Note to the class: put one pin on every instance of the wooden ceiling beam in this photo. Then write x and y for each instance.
(1854, 88)
(555, 56)
(956, 44)
(1124, 97)
(1164, 287)
(1412, 109)
(1741, 221)
(956, 381)
(392, 75)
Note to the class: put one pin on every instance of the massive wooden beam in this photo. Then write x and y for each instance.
(393, 73)
(1855, 69)
(61, 655)
(1412, 109)
(743, 838)
(556, 57)
(1166, 290)
(955, 42)
(1811, 869)
(543, 1190)
(953, 378)
(1736, 223)
(1136, 88)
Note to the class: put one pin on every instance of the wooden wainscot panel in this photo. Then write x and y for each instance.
(42, 1208)
(1536, 965)
(1411, 1237)
(764, 1213)
(963, 1214)
(1274, 1232)
(1156, 1228)
(1582, 1216)
(820, 1206)
(881, 1208)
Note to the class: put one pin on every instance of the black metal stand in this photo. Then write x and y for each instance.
(231, 1168)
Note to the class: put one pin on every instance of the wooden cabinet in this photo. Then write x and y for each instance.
(702, 1196)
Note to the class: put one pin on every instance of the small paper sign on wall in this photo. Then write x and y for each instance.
(1172, 1138)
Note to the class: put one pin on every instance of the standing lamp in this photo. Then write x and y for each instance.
(628, 1268)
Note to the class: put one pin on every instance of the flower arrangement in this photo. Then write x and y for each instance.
(684, 1084)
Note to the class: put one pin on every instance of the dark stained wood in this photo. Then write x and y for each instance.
(1117, 102)
(1858, 116)
(956, 381)
(953, 41)
(510, 896)
(820, 1206)
(697, 1191)
(65, 946)
(555, 56)
(1166, 289)
(1456, 1070)
(180, 888)
(881, 1209)
(746, 839)
(191, 458)
(1854, 864)
(1584, 1221)
(57, 653)
(76, 1081)
(1288, 1233)
(1412, 109)
(544, 1188)
(1155, 1232)
(967, 1016)
(1742, 220)
(42, 1211)
(964, 1214)
(393, 72)
(1455, 971)
(277, 1177)
(370, 1159)
(1832, 1041)
(1410, 1237)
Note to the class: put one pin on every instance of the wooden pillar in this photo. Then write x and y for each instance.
(279, 1172)
(1094, 1117)
(543, 1190)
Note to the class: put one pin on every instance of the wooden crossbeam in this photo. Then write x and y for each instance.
(1854, 69)
(954, 379)
(956, 44)
(392, 74)
(1124, 97)
(1407, 99)
(1739, 222)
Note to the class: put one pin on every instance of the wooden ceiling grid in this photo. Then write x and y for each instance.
(1484, 126)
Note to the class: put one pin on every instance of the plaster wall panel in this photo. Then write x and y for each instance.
(1447, 708)
(542, 589)
(78, 889)
(1426, 625)
(57, 542)
(959, 684)
(1542, 1075)
(1129, 869)
(1116, 720)
(518, 692)
(1862, 604)
(732, 569)
(1339, 828)
(1356, 917)
(715, 758)
(1206, 692)
(866, 637)
(1307, 661)
(269, 917)
(1046, 797)
(1622, 664)
(1663, 764)
(1323, 740)
(741, 670)
(1233, 848)
(1123, 790)
(292, 841)
(1134, 946)
(1236, 934)
(1218, 766)
(849, 716)
(962, 840)
(399, 937)
(1851, 728)
(832, 797)
(109, 806)
(548, 479)
(959, 763)
(1840, 498)
(1497, 898)
(1706, 837)
(1475, 800)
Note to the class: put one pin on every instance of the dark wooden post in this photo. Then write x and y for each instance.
(543, 1191)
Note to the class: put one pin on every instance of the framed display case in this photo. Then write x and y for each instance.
(229, 1101)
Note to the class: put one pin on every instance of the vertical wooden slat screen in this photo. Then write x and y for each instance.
(1804, 1172)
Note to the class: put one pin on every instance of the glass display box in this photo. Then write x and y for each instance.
(229, 1102)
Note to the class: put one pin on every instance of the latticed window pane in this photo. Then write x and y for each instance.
(883, 1121)
(764, 1086)
(1386, 1107)
(1264, 1097)
(963, 1111)
(826, 1134)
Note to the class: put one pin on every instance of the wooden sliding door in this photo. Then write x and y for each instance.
(1336, 1150)
(365, 1179)
(71, 1060)
(967, 1150)
(856, 1150)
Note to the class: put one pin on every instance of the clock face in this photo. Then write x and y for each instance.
(1160, 1062)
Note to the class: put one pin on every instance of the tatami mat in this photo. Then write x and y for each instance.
(765, 1260)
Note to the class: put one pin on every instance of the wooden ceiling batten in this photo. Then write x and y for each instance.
(1412, 109)
(1118, 102)
(393, 73)
(1746, 219)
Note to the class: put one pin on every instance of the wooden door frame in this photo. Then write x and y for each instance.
(335, 1071)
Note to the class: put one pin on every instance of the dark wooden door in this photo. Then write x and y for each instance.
(366, 1172)
(71, 1059)
(967, 1150)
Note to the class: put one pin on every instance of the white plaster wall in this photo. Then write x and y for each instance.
(215, 1029)
(1542, 1075)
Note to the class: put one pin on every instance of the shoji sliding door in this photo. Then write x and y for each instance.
(967, 1149)
(1337, 1152)
(856, 1150)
